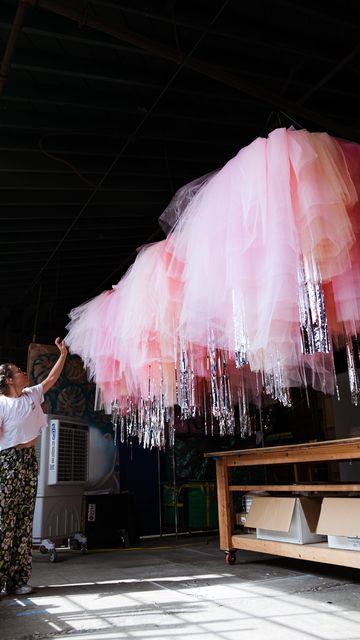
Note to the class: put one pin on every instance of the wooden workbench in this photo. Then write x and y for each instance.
(330, 450)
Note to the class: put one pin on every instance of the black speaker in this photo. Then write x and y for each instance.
(109, 520)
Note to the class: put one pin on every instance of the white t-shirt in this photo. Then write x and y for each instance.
(22, 418)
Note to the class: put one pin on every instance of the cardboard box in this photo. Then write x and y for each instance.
(340, 520)
(285, 519)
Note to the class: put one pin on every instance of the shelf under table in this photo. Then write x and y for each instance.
(316, 552)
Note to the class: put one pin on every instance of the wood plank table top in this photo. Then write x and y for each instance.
(345, 449)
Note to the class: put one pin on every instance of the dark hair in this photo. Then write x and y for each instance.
(5, 373)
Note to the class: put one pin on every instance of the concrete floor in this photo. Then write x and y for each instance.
(182, 589)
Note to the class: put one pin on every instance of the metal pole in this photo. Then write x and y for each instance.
(159, 491)
(175, 492)
(12, 42)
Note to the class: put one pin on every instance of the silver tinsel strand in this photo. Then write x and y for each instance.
(353, 371)
(241, 338)
(312, 313)
(274, 384)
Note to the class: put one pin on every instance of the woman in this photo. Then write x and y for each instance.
(21, 420)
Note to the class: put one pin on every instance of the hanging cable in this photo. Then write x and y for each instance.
(130, 139)
(291, 119)
(63, 161)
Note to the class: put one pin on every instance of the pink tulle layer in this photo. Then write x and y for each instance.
(263, 258)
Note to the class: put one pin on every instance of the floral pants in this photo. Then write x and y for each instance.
(18, 485)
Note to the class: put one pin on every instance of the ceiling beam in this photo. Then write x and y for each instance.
(48, 31)
(72, 182)
(81, 235)
(71, 199)
(18, 157)
(156, 132)
(175, 17)
(209, 70)
(83, 100)
(330, 74)
(98, 249)
(314, 11)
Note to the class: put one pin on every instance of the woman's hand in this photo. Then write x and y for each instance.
(55, 372)
(61, 346)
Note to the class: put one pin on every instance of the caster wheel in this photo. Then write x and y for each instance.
(83, 549)
(125, 539)
(43, 549)
(230, 558)
(53, 556)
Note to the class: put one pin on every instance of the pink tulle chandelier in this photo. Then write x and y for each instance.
(254, 287)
